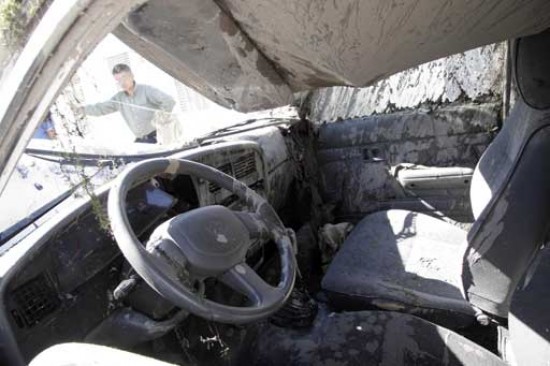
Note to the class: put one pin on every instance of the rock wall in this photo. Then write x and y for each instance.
(477, 75)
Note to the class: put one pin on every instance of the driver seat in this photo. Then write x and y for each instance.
(412, 262)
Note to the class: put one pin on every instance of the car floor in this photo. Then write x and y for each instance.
(363, 338)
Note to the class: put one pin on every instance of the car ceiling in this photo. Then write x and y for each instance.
(250, 54)
(254, 54)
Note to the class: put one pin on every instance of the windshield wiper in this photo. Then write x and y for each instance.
(91, 159)
(230, 130)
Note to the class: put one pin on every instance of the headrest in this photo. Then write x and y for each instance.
(531, 57)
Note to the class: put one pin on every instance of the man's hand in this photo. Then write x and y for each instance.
(162, 118)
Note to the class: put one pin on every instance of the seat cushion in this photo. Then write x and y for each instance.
(366, 338)
(402, 260)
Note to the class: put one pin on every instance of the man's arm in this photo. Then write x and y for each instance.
(160, 99)
(103, 108)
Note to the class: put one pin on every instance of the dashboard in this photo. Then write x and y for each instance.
(75, 273)
(64, 290)
(245, 164)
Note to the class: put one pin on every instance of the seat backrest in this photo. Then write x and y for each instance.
(510, 191)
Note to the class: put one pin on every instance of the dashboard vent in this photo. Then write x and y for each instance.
(244, 166)
(226, 168)
(34, 300)
(241, 168)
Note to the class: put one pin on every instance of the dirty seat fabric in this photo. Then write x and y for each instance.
(402, 260)
(366, 338)
(509, 195)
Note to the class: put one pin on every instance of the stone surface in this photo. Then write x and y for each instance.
(476, 75)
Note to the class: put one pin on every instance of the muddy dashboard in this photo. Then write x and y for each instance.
(71, 278)
(245, 164)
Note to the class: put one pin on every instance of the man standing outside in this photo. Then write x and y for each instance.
(137, 103)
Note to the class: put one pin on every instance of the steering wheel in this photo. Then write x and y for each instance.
(206, 242)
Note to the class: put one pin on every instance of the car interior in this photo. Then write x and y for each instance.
(213, 255)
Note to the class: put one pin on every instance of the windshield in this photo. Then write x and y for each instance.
(117, 108)
(118, 91)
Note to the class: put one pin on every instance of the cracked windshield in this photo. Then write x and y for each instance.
(117, 108)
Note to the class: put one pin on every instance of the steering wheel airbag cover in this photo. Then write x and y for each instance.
(212, 239)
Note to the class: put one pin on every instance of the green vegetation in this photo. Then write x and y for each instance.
(15, 18)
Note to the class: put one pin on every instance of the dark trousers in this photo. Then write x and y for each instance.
(148, 139)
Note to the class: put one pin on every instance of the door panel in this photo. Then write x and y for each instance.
(358, 159)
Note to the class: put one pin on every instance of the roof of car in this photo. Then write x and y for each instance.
(250, 54)
(253, 54)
